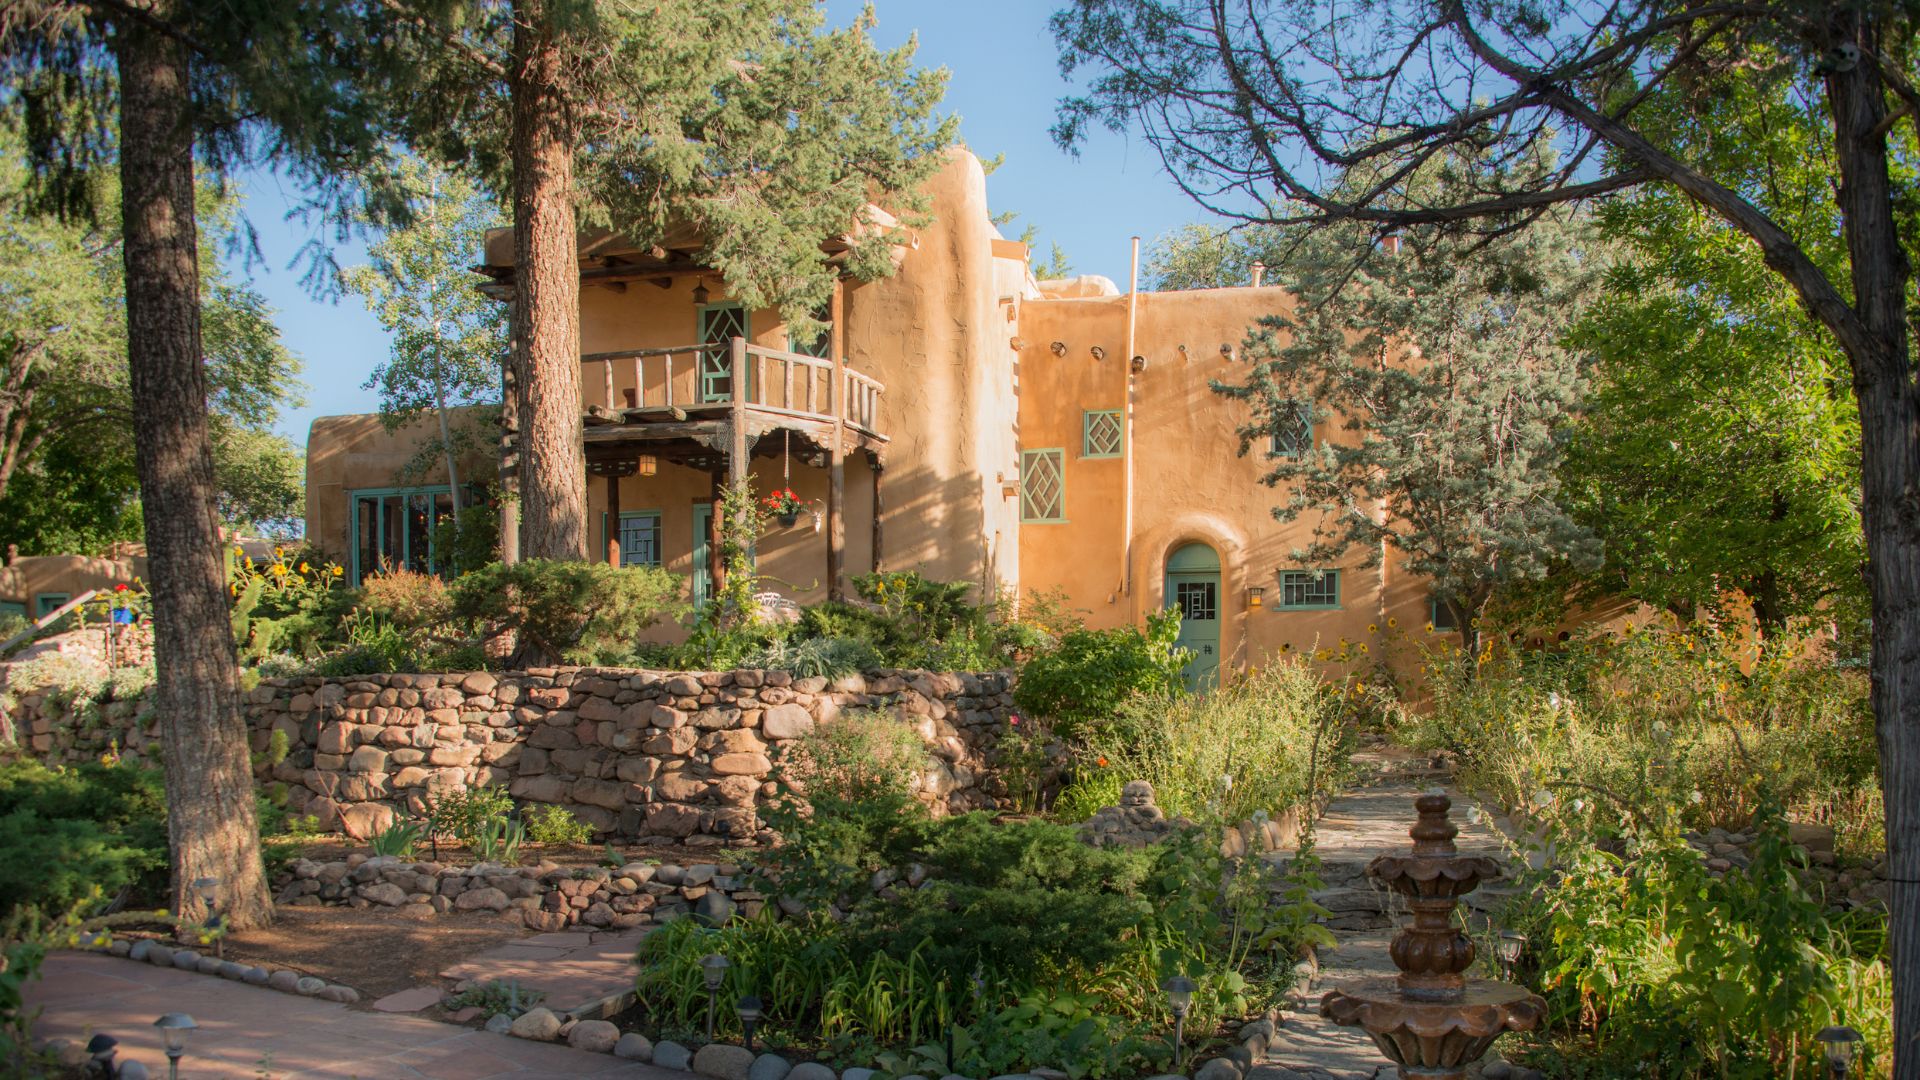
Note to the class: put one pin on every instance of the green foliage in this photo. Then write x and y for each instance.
(827, 657)
(497, 996)
(466, 815)
(470, 539)
(1662, 727)
(1671, 968)
(67, 832)
(498, 841)
(1721, 445)
(1460, 448)
(71, 483)
(549, 824)
(577, 611)
(1252, 749)
(398, 839)
(1081, 683)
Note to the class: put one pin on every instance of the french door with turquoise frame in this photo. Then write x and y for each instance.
(702, 577)
(719, 324)
(393, 528)
(1193, 587)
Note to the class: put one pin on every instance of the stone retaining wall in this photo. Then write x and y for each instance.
(662, 757)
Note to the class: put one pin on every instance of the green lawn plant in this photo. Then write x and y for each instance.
(549, 824)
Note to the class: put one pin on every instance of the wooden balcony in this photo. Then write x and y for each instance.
(698, 398)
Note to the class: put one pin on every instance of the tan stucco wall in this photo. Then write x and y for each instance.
(1190, 483)
(348, 453)
(32, 576)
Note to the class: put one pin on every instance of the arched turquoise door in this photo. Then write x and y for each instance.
(1193, 586)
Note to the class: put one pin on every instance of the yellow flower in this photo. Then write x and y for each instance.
(279, 570)
(304, 568)
(1363, 648)
(1392, 622)
(1372, 629)
(1320, 654)
(1429, 628)
(1286, 646)
(334, 568)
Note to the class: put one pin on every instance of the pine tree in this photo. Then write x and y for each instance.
(1415, 400)
(147, 88)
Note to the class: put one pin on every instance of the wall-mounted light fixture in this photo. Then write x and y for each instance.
(1256, 598)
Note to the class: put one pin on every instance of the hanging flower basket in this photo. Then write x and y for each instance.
(785, 506)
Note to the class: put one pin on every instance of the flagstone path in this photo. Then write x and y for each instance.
(249, 1032)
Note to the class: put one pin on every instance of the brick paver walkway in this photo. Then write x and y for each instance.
(248, 1031)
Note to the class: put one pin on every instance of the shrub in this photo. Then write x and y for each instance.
(406, 600)
(1649, 961)
(1262, 744)
(1081, 683)
(549, 824)
(466, 814)
(584, 612)
(843, 792)
(67, 831)
(827, 657)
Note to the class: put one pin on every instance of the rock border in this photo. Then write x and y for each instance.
(286, 980)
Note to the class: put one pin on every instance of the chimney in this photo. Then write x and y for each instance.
(1259, 271)
(1390, 244)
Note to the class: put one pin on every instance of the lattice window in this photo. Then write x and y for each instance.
(718, 325)
(1043, 485)
(639, 539)
(1100, 434)
(1309, 589)
(1197, 600)
(1295, 436)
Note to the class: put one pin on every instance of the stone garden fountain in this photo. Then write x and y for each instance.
(1430, 1020)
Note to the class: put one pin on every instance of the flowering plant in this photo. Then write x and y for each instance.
(783, 502)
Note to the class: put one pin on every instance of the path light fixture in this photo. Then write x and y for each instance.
(1507, 949)
(749, 1010)
(100, 1051)
(1179, 1000)
(713, 967)
(208, 890)
(174, 1029)
(1843, 1045)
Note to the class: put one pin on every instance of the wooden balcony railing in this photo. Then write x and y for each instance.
(693, 379)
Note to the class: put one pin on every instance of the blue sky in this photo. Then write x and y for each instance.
(1005, 80)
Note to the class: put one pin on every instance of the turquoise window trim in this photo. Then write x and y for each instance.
(710, 374)
(353, 524)
(13, 607)
(1090, 438)
(1035, 481)
(46, 603)
(1435, 611)
(659, 521)
(1314, 577)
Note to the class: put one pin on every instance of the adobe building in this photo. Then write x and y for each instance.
(961, 419)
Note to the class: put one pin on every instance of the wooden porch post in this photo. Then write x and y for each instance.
(837, 454)
(737, 459)
(613, 516)
(716, 566)
(877, 514)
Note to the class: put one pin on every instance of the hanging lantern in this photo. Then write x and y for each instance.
(649, 464)
(700, 293)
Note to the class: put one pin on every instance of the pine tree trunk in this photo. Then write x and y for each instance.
(210, 793)
(546, 327)
(1883, 372)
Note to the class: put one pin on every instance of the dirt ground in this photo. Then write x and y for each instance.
(373, 950)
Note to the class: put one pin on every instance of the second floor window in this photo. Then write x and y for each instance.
(719, 324)
(1294, 438)
(1100, 433)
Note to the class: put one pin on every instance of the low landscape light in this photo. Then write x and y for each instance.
(713, 968)
(100, 1051)
(1179, 1000)
(749, 1010)
(1507, 949)
(1843, 1046)
(174, 1029)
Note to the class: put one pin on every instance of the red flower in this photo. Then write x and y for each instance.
(1014, 720)
(122, 587)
